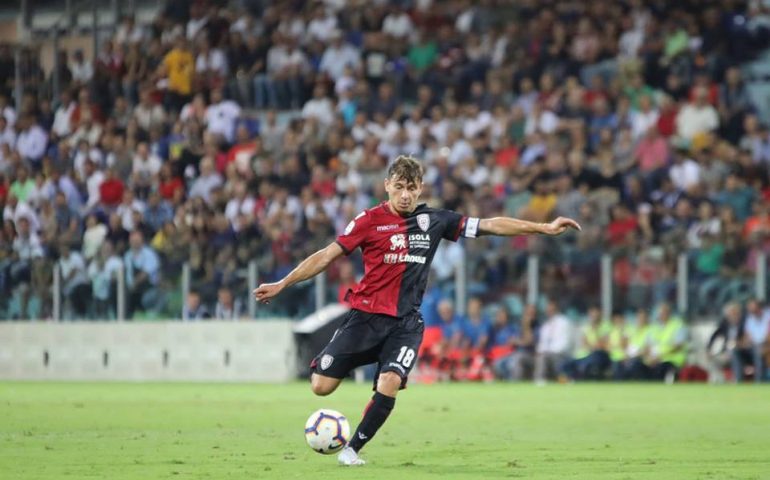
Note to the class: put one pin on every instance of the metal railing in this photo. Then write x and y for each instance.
(692, 296)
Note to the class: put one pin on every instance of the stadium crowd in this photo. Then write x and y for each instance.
(485, 344)
(221, 134)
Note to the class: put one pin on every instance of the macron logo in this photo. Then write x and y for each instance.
(386, 228)
(362, 436)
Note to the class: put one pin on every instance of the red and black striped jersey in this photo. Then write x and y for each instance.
(397, 254)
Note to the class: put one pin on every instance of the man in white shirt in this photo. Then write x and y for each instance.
(103, 271)
(322, 26)
(208, 180)
(397, 24)
(126, 209)
(242, 203)
(554, 344)
(7, 133)
(148, 114)
(146, 166)
(210, 61)
(197, 22)
(221, 115)
(697, 117)
(15, 210)
(26, 249)
(541, 120)
(75, 284)
(319, 107)
(291, 66)
(32, 139)
(7, 111)
(81, 69)
(684, 172)
(339, 55)
(94, 179)
(62, 119)
(644, 118)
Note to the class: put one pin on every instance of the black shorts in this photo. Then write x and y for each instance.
(365, 338)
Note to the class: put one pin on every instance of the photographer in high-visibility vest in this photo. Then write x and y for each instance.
(617, 339)
(669, 345)
(637, 348)
(591, 360)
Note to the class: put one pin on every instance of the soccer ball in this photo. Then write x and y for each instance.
(327, 431)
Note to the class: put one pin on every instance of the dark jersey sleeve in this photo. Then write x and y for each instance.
(456, 225)
(354, 234)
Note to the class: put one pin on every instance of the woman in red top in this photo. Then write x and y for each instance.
(169, 184)
(621, 227)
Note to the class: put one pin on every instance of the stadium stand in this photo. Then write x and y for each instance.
(214, 134)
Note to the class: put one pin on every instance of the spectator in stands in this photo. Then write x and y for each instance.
(75, 285)
(26, 249)
(452, 87)
(756, 331)
(725, 348)
(82, 69)
(591, 360)
(31, 141)
(698, 117)
(617, 344)
(553, 344)
(103, 271)
(142, 267)
(93, 237)
(669, 345)
(502, 343)
(227, 307)
(179, 66)
(475, 339)
(147, 113)
(446, 353)
(194, 309)
(637, 349)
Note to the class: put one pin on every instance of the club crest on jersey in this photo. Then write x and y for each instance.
(423, 221)
(398, 241)
(326, 361)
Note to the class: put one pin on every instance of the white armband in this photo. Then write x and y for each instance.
(471, 227)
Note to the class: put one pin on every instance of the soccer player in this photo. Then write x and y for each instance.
(398, 239)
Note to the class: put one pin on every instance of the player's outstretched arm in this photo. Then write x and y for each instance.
(309, 268)
(506, 226)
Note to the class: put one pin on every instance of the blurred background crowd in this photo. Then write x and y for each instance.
(649, 344)
(223, 133)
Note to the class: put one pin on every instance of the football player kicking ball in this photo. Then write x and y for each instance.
(398, 239)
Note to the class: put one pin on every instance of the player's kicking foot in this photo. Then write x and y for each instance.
(349, 457)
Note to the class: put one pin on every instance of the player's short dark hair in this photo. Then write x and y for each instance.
(406, 167)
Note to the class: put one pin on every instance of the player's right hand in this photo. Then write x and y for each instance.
(266, 291)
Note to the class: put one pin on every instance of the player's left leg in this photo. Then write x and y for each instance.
(375, 414)
(396, 360)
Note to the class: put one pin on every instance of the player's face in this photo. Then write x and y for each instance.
(402, 195)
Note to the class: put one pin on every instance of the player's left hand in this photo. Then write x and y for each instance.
(561, 224)
(266, 291)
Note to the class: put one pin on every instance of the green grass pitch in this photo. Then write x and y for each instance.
(464, 431)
